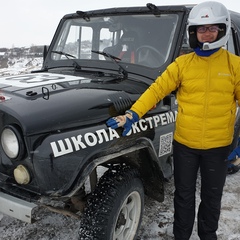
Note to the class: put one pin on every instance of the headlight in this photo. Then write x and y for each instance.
(12, 143)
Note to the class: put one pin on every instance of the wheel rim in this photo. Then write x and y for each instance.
(128, 217)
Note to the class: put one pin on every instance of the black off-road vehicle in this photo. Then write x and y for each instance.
(55, 146)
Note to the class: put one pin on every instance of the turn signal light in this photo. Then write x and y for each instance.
(21, 175)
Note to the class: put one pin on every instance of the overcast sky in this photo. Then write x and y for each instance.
(33, 22)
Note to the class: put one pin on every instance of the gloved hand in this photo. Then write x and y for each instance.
(126, 121)
(234, 161)
(234, 154)
(232, 168)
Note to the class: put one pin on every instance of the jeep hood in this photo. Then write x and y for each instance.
(48, 102)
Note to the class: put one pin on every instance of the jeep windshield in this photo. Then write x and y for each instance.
(141, 39)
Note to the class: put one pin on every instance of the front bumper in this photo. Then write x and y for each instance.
(16, 207)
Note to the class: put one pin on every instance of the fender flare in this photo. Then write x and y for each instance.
(141, 155)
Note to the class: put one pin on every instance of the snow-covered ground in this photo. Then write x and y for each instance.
(156, 224)
(21, 65)
(157, 219)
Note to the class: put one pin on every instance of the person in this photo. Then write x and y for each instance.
(208, 85)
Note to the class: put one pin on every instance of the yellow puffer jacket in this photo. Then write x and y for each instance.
(208, 88)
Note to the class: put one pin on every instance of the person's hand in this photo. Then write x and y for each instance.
(232, 168)
(126, 121)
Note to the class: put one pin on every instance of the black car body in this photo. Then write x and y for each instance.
(55, 144)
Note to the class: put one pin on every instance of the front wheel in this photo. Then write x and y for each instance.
(114, 210)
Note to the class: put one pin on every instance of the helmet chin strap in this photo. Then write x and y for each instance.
(209, 46)
(204, 53)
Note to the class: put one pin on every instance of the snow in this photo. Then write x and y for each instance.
(156, 223)
(21, 65)
(157, 219)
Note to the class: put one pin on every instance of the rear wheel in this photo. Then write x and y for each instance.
(114, 210)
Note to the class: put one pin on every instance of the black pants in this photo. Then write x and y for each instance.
(213, 167)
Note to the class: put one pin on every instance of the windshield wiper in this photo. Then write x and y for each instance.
(121, 70)
(70, 57)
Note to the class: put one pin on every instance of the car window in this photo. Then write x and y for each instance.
(139, 39)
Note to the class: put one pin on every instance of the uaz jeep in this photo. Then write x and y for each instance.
(55, 145)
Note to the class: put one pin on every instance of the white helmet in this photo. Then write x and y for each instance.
(209, 13)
